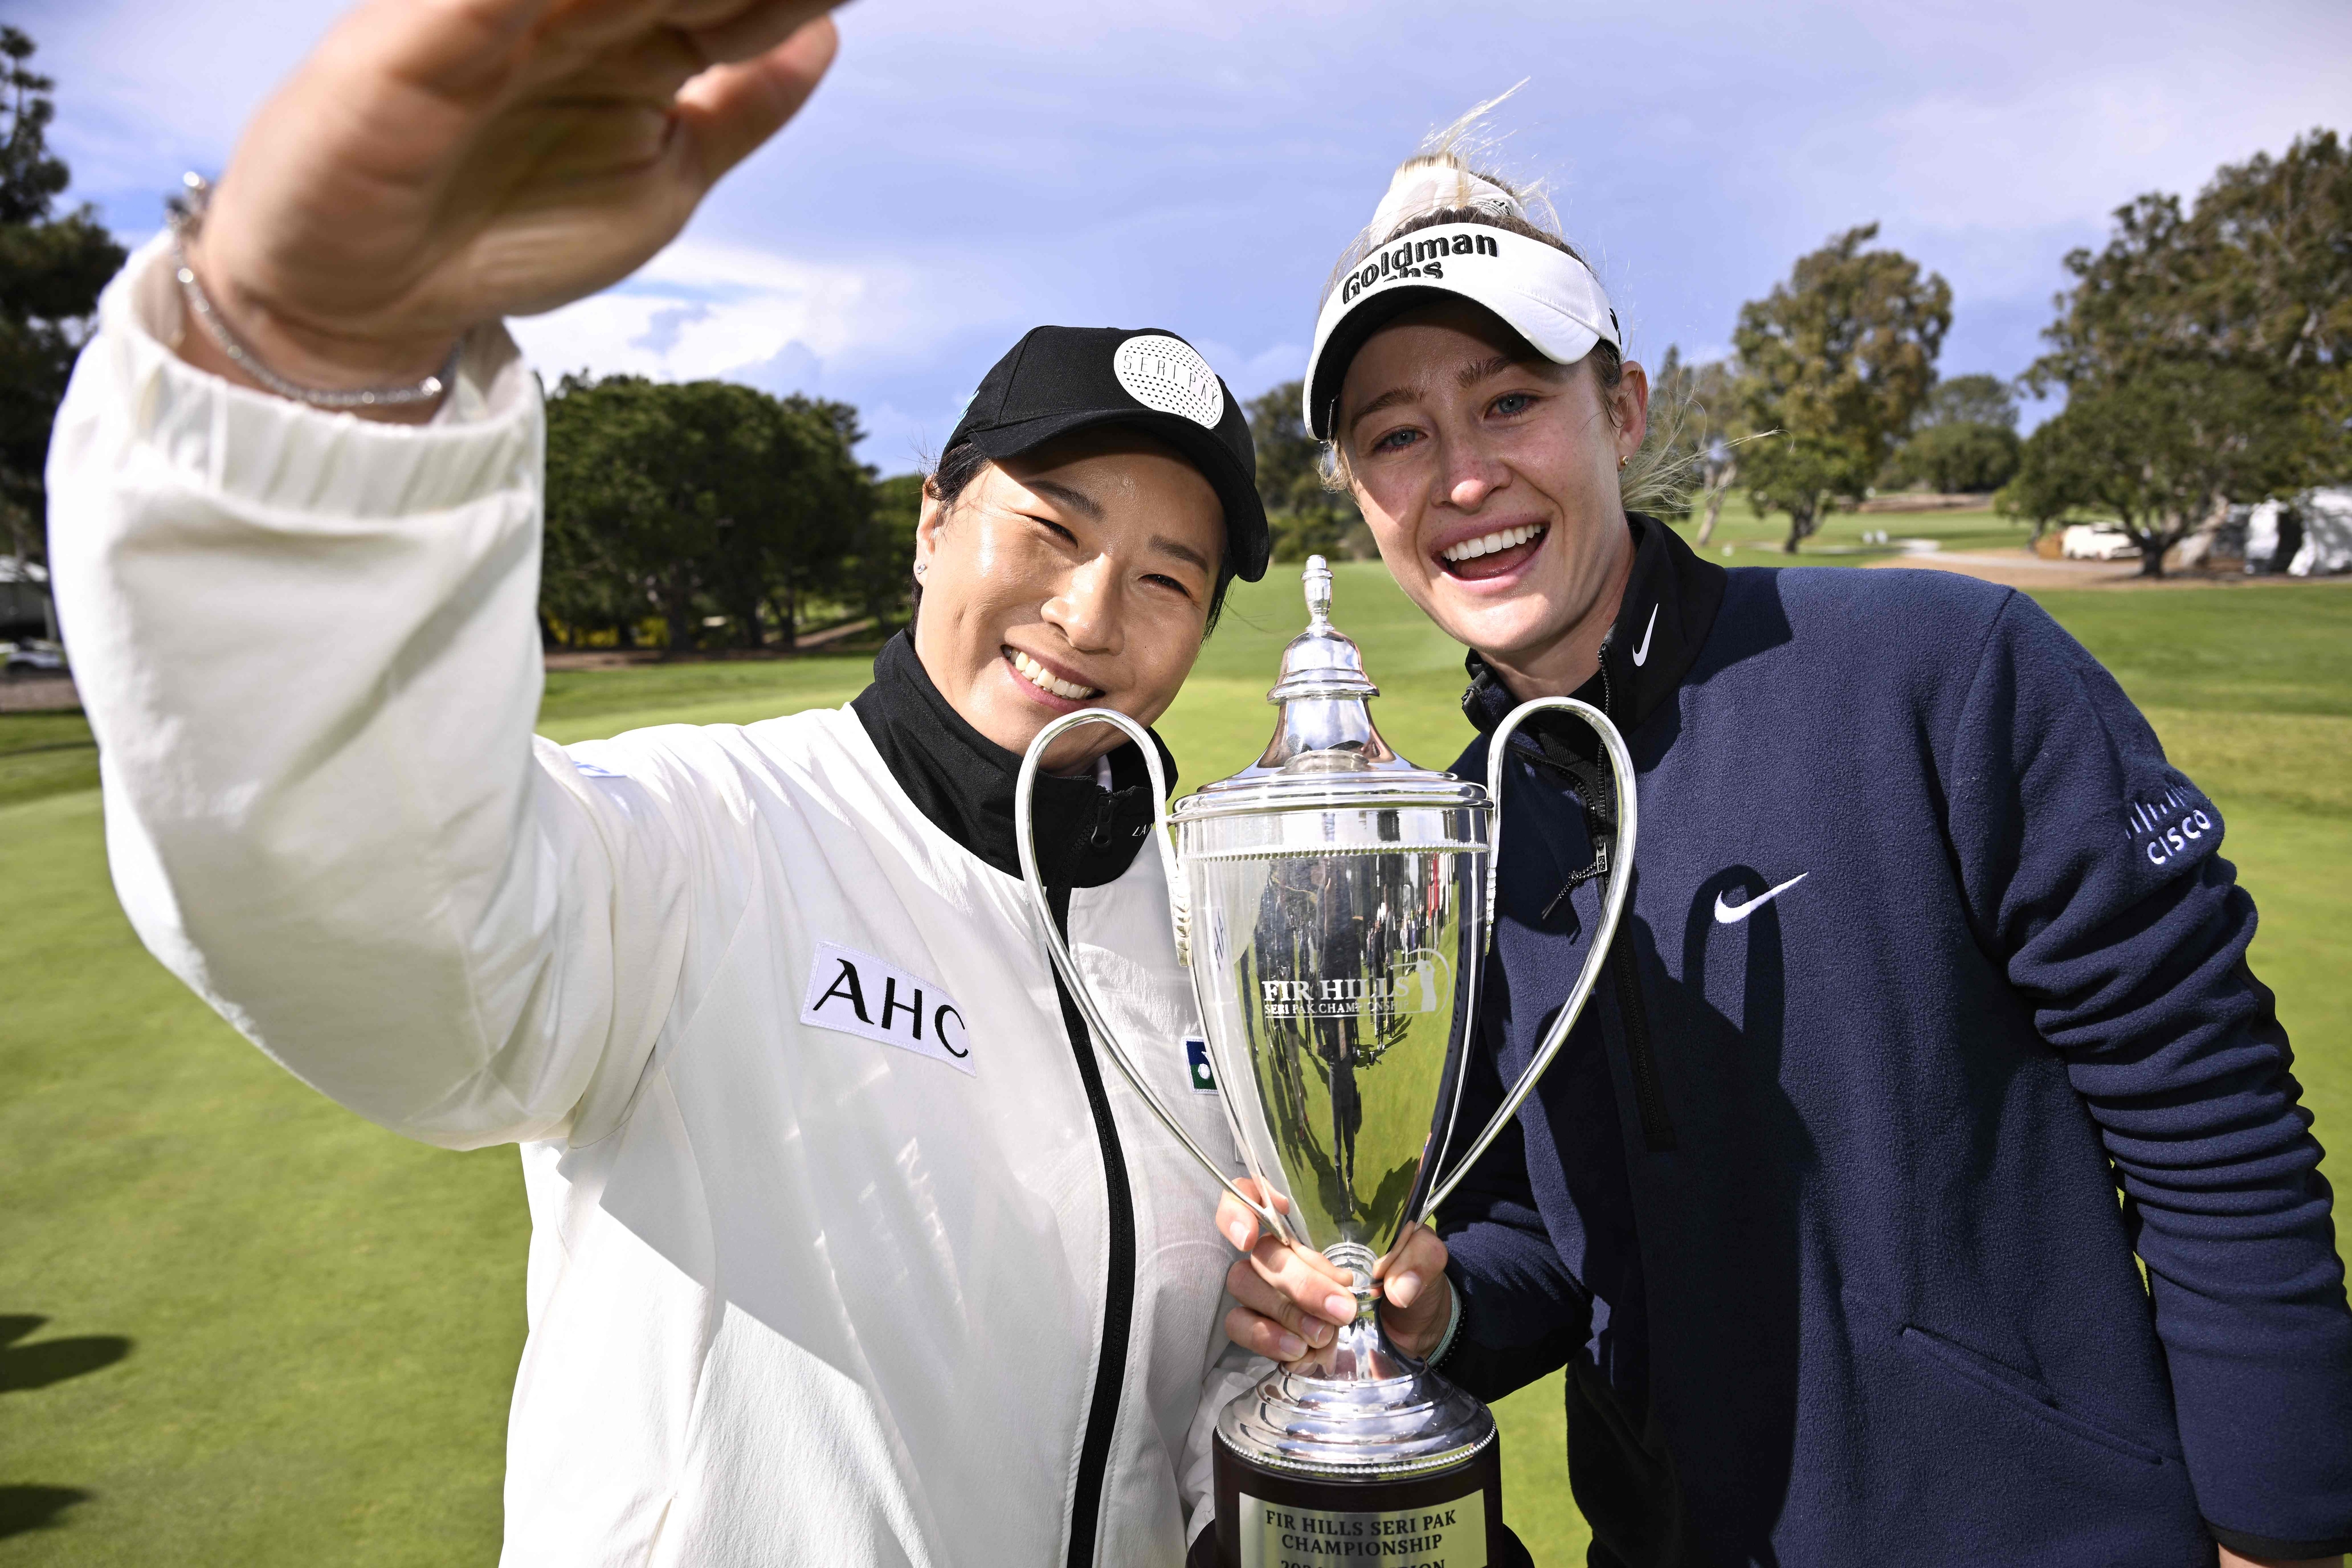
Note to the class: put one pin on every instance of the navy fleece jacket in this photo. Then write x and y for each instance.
(1929, 953)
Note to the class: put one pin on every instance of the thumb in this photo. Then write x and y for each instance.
(730, 110)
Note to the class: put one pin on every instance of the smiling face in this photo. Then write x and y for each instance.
(1488, 478)
(1078, 575)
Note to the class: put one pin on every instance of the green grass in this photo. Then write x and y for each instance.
(585, 704)
(276, 1334)
(45, 754)
(1839, 540)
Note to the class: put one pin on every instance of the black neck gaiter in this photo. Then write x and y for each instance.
(962, 781)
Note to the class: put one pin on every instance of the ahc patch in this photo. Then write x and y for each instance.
(1196, 1065)
(1165, 374)
(856, 993)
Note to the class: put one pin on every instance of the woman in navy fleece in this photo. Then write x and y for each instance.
(1929, 956)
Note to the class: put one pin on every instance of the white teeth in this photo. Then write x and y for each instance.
(1488, 544)
(1038, 676)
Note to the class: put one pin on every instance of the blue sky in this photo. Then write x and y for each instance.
(969, 171)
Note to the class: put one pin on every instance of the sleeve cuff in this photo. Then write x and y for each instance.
(288, 456)
(2268, 1547)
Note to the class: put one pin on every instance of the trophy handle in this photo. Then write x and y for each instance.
(1024, 839)
(1621, 884)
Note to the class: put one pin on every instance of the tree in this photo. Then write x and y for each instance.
(694, 497)
(1838, 359)
(2252, 284)
(884, 563)
(2041, 492)
(625, 497)
(1304, 517)
(1969, 400)
(51, 270)
(822, 524)
(1961, 458)
(1963, 440)
(2163, 450)
(1697, 413)
(2260, 272)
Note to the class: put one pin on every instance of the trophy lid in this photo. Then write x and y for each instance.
(1326, 750)
(1320, 662)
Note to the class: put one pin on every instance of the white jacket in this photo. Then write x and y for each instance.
(803, 1289)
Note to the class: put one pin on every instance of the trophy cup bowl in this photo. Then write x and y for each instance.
(1334, 904)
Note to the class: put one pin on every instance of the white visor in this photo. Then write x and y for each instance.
(1540, 291)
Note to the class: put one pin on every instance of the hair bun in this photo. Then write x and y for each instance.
(1433, 183)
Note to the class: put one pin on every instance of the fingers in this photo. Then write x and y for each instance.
(730, 110)
(1263, 1336)
(1417, 1298)
(1307, 1282)
(1417, 1259)
(1290, 1297)
(1267, 1323)
(1237, 1221)
(752, 30)
(1301, 1279)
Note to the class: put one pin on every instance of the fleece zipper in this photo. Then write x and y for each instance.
(1624, 964)
(1596, 783)
(1119, 1288)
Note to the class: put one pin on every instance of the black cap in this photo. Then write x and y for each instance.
(1063, 379)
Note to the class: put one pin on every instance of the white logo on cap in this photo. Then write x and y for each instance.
(1164, 374)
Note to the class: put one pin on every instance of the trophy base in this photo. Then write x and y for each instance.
(1273, 1517)
(1353, 1452)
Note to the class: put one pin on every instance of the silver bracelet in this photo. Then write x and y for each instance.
(1444, 1345)
(187, 213)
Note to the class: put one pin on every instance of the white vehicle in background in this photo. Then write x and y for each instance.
(2310, 536)
(36, 657)
(2097, 542)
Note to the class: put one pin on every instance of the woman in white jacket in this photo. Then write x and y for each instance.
(845, 1249)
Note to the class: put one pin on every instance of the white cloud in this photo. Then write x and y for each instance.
(971, 172)
(703, 309)
(2075, 148)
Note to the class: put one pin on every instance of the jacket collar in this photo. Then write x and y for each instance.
(963, 783)
(1670, 603)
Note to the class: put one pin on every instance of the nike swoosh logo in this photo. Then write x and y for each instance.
(1642, 653)
(1728, 915)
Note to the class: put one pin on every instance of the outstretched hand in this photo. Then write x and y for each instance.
(439, 163)
(1291, 1299)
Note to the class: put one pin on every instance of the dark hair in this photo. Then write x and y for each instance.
(962, 463)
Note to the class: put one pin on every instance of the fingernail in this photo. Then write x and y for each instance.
(1340, 1308)
(1320, 1333)
(1238, 1234)
(1404, 1287)
(1288, 1347)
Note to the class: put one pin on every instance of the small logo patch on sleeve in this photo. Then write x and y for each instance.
(856, 993)
(2175, 823)
(1196, 1062)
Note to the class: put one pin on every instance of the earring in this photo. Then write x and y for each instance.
(1622, 460)
(921, 566)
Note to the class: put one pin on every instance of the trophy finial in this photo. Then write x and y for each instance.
(1321, 661)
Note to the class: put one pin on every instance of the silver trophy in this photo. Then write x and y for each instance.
(1334, 904)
